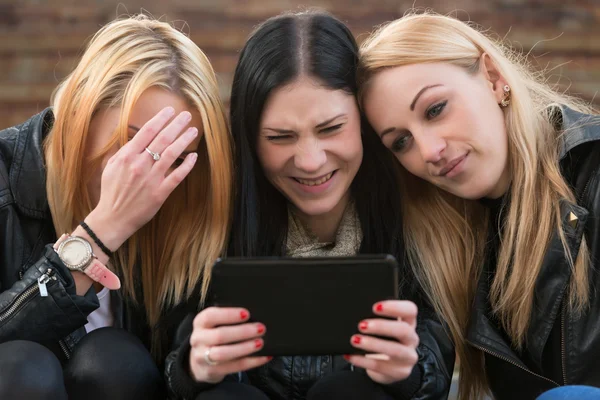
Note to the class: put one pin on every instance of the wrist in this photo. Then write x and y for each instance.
(108, 232)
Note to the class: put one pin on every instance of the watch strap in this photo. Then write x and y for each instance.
(98, 272)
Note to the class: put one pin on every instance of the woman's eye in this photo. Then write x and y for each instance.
(278, 137)
(435, 110)
(331, 128)
(400, 143)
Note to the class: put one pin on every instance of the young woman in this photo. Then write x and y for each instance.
(136, 128)
(502, 202)
(311, 181)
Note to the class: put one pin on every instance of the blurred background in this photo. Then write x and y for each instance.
(41, 40)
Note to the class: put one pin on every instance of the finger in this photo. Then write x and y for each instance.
(144, 136)
(170, 132)
(393, 349)
(177, 176)
(399, 330)
(227, 334)
(215, 316)
(381, 371)
(232, 367)
(174, 150)
(407, 310)
(228, 352)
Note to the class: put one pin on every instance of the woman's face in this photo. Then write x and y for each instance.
(444, 125)
(105, 122)
(309, 145)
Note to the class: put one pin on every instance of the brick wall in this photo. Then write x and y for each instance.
(40, 40)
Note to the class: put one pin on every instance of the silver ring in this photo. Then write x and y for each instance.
(207, 358)
(155, 156)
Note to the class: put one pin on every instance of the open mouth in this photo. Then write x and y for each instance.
(316, 182)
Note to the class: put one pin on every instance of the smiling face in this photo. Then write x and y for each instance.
(309, 145)
(444, 125)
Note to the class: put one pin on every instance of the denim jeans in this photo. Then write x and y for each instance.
(571, 393)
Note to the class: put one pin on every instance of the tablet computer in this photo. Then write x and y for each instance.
(309, 306)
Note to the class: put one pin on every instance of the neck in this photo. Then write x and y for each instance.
(325, 226)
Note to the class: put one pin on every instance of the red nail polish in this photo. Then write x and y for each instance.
(363, 325)
(261, 329)
(379, 307)
(347, 357)
(269, 358)
(258, 343)
(243, 315)
(356, 339)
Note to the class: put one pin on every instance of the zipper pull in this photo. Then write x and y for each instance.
(42, 281)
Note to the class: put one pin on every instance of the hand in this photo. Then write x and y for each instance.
(229, 340)
(392, 360)
(134, 186)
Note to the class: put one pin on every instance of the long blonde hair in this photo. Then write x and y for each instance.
(445, 235)
(167, 257)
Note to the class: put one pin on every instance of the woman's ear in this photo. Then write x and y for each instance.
(493, 76)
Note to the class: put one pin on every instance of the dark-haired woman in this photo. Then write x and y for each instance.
(312, 181)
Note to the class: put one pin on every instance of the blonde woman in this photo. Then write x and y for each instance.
(133, 163)
(501, 205)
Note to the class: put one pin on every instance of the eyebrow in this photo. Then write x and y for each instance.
(318, 126)
(412, 105)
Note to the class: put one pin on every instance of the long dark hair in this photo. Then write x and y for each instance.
(318, 45)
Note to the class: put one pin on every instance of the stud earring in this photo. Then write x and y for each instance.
(506, 100)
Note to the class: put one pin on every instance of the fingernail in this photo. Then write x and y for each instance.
(193, 132)
(257, 343)
(379, 307)
(261, 329)
(169, 111)
(186, 116)
(194, 157)
(347, 357)
(269, 358)
(363, 325)
(356, 339)
(243, 314)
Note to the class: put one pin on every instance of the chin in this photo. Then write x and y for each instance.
(315, 208)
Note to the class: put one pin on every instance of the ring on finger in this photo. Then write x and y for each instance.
(155, 156)
(207, 358)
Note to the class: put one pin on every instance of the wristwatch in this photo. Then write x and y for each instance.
(77, 255)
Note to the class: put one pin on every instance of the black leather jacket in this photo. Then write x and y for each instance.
(561, 349)
(26, 256)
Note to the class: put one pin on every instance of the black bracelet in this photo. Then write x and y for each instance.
(90, 232)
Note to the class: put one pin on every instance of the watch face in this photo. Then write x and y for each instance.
(74, 252)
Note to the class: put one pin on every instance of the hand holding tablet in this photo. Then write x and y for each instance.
(264, 307)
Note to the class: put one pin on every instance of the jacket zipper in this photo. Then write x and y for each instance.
(63, 347)
(562, 339)
(585, 188)
(38, 287)
(513, 363)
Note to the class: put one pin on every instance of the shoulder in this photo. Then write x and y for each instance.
(18, 145)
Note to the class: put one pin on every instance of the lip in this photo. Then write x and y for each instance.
(448, 170)
(315, 189)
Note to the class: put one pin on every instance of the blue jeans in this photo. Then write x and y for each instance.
(571, 393)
